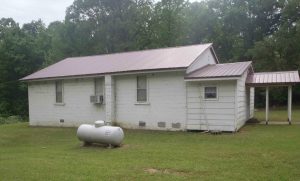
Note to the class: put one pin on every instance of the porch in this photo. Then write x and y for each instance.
(275, 79)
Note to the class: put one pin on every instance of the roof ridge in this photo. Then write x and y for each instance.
(134, 51)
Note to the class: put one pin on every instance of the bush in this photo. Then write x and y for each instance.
(2, 120)
(12, 119)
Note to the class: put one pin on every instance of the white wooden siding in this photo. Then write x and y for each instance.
(76, 110)
(220, 113)
(243, 106)
(205, 58)
(167, 101)
(252, 94)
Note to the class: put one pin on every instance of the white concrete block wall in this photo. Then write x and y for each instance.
(109, 99)
(218, 114)
(205, 58)
(171, 100)
(76, 110)
(166, 101)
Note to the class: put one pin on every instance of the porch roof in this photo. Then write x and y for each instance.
(273, 78)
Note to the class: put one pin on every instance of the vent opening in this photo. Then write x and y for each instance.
(176, 125)
(161, 124)
(142, 123)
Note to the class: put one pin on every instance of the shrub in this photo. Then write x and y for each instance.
(12, 119)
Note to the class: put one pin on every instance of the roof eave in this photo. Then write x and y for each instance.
(214, 54)
(191, 79)
(106, 73)
(271, 84)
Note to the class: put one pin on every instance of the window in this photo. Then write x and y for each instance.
(210, 92)
(99, 87)
(141, 89)
(59, 91)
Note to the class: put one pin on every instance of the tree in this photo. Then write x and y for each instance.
(107, 26)
(22, 52)
(168, 23)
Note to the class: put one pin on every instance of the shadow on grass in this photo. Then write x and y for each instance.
(99, 146)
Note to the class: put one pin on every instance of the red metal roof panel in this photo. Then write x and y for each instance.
(220, 70)
(273, 78)
(164, 58)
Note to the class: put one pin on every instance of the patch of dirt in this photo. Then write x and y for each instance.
(151, 170)
(166, 171)
(124, 146)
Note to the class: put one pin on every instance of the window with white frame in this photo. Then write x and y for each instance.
(210, 92)
(59, 91)
(99, 89)
(141, 89)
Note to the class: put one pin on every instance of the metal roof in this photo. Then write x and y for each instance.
(155, 59)
(273, 78)
(220, 70)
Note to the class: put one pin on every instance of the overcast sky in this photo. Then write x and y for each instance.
(24, 11)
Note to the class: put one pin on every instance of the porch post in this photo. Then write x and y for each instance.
(290, 104)
(267, 105)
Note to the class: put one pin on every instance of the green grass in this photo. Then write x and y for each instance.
(257, 152)
(278, 114)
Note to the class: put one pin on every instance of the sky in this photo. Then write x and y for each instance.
(24, 11)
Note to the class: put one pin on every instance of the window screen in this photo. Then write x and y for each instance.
(99, 87)
(59, 91)
(141, 89)
(210, 92)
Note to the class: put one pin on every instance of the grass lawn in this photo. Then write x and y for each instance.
(257, 152)
(278, 114)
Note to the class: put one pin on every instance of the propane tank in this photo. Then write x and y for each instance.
(99, 133)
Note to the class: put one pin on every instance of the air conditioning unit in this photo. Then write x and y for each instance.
(97, 99)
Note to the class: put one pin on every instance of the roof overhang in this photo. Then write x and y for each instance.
(212, 78)
(211, 48)
(264, 79)
(271, 85)
(179, 69)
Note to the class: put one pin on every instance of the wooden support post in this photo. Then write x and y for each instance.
(290, 104)
(267, 105)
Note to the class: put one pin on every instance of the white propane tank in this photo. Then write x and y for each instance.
(99, 133)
